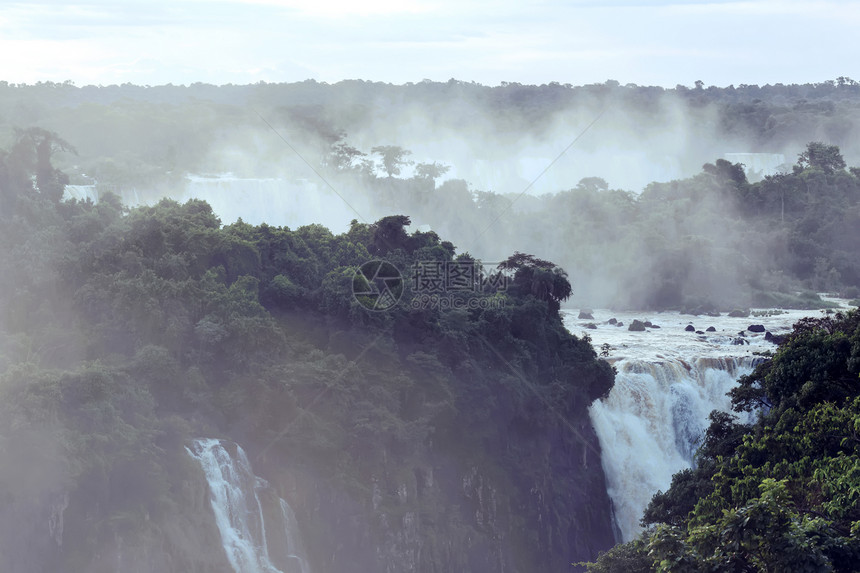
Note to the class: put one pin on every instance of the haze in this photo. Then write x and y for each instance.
(655, 42)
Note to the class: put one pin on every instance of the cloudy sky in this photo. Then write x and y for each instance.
(654, 42)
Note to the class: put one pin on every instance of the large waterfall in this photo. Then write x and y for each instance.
(651, 423)
(258, 529)
(668, 381)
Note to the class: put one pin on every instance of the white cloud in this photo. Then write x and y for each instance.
(344, 8)
(220, 41)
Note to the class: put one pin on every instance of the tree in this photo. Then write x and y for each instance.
(543, 279)
(822, 156)
(31, 155)
(389, 234)
(343, 156)
(430, 170)
(392, 158)
(33, 150)
(592, 184)
(726, 171)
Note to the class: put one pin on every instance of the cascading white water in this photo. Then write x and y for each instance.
(81, 193)
(276, 201)
(668, 382)
(239, 514)
(651, 424)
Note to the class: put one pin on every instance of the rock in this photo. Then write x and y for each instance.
(713, 314)
(648, 324)
(612, 321)
(637, 326)
(591, 325)
(775, 338)
(737, 313)
(619, 323)
(586, 314)
(711, 329)
(690, 328)
(654, 326)
(756, 328)
(742, 333)
(740, 341)
(699, 332)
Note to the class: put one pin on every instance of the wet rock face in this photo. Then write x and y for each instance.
(43, 534)
(448, 513)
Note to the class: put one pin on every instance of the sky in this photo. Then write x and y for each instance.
(653, 42)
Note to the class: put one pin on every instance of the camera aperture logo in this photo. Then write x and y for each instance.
(377, 285)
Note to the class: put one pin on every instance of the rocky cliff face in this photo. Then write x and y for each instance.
(446, 513)
(521, 500)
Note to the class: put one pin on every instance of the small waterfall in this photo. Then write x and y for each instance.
(295, 551)
(287, 202)
(651, 423)
(81, 193)
(238, 500)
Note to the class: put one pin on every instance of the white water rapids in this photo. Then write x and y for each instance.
(257, 537)
(668, 382)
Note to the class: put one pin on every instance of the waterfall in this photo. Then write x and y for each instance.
(651, 423)
(238, 500)
(287, 202)
(81, 193)
(277, 201)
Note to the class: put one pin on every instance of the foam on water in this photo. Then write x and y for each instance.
(668, 382)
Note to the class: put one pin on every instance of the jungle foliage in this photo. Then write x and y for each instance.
(127, 332)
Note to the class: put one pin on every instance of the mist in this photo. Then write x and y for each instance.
(181, 269)
(526, 169)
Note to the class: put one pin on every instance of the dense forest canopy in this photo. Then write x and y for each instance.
(483, 166)
(126, 333)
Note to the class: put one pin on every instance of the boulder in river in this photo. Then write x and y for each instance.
(690, 328)
(636, 326)
(586, 314)
(756, 328)
(775, 338)
(711, 329)
(738, 313)
(613, 320)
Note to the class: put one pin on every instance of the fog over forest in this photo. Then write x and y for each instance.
(564, 172)
(215, 355)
